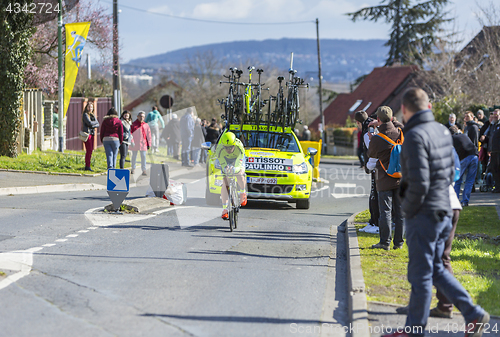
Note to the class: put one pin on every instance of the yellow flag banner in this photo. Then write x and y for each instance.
(76, 37)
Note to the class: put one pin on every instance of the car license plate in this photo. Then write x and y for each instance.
(257, 180)
(218, 182)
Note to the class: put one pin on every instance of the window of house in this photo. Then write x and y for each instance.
(367, 106)
(355, 105)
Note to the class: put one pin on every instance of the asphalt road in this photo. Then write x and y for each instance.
(74, 271)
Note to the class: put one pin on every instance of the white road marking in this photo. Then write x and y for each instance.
(49, 245)
(72, 236)
(195, 181)
(61, 240)
(101, 219)
(321, 189)
(20, 261)
(92, 228)
(347, 195)
(342, 185)
(172, 209)
(83, 231)
(34, 250)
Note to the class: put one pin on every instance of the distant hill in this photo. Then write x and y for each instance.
(342, 60)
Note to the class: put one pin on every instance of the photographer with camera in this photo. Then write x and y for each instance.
(363, 122)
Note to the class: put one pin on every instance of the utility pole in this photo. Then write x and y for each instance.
(116, 64)
(60, 77)
(323, 134)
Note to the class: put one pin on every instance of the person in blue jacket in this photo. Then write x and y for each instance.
(153, 118)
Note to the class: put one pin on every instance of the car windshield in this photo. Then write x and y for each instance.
(280, 141)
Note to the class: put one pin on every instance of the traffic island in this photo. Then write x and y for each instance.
(140, 205)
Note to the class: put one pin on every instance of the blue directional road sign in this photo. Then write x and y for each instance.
(118, 186)
(118, 180)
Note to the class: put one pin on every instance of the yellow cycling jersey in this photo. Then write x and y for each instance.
(234, 158)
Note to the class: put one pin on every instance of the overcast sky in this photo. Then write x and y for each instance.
(145, 34)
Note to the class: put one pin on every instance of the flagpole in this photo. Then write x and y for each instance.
(61, 79)
(116, 61)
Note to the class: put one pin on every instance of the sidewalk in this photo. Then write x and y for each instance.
(350, 162)
(370, 318)
(12, 182)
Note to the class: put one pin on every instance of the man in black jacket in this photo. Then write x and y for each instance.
(467, 153)
(362, 120)
(172, 134)
(484, 157)
(494, 149)
(427, 167)
(471, 129)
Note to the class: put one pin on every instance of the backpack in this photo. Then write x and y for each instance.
(394, 168)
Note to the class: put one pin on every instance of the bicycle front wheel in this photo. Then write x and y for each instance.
(232, 223)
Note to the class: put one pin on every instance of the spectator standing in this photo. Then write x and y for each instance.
(387, 186)
(360, 147)
(126, 119)
(471, 129)
(187, 133)
(444, 308)
(198, 139)
(481, 117)
(494, 148)
(427, 164)
(153, 118)
(111, 136)
(55, 127)
(306, 133)
(362, 120)
(172, 134)
(484, 132)
(467, 153)
(452, 120)
(213, 132)
(203, 153)
(141, 134)
(89, 124)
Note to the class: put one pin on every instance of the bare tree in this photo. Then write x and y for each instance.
(460, 79)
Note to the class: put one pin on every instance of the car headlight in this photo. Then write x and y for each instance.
(300, 168)
(301, 187)
(217, 164)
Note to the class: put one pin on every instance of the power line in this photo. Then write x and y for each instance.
(212, 21)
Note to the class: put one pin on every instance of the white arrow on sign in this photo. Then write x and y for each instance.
(121, 184)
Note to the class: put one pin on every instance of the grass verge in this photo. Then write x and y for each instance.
(476, 263)
(70, 161)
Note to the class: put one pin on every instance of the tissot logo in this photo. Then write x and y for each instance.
(250, 160)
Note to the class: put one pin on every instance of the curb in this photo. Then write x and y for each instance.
(144, 204)
(50, 188)
(358, 305)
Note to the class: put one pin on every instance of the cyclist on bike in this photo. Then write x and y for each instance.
(230, 152)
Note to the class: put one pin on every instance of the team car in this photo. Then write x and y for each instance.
(276, 166)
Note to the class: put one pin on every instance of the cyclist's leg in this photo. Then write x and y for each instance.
(242, 181)
(224, 196)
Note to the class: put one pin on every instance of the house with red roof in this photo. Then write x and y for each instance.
(152, 97)
(383, 86)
